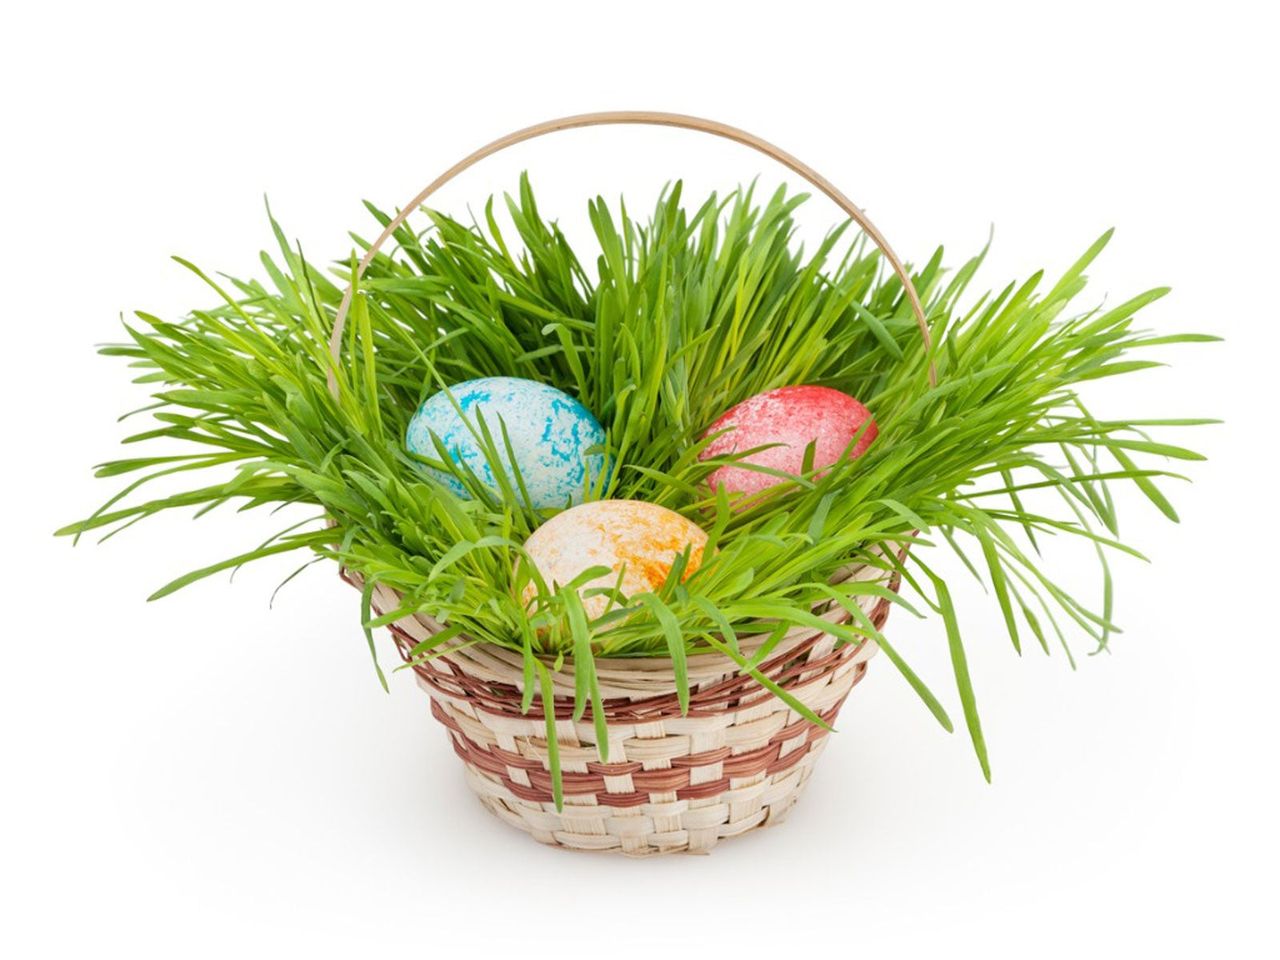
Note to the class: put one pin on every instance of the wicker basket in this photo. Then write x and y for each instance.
(737, 759)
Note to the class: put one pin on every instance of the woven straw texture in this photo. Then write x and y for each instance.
(738, 759)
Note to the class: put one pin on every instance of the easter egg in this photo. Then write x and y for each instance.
(792, 417)
(640, 539)
(549, 431)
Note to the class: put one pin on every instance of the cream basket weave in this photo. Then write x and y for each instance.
(736, 760)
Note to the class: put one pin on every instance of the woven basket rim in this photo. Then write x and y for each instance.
(786, 666)
(636, 678)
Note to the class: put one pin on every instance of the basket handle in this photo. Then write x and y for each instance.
(650, 118)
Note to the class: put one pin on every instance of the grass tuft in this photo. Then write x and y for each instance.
(674, 320)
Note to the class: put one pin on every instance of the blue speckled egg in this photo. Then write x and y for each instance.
(549, 432)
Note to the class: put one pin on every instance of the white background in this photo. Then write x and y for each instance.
(203, 776)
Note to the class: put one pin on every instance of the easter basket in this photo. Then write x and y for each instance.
(660, 713)
(677, 777)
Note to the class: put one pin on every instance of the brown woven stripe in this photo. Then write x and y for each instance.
(675, 780)
(737, 692)
(704, 759)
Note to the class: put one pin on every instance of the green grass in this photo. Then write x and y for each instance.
(676, 318)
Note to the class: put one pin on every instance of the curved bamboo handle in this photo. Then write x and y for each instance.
(650, 118)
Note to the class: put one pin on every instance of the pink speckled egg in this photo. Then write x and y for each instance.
(793, 417)
(643, 538)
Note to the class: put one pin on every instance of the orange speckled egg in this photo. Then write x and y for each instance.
(643, 538)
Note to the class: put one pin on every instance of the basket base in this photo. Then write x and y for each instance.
(649, 829)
